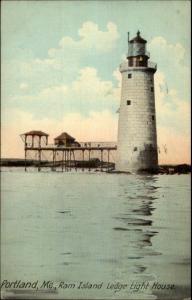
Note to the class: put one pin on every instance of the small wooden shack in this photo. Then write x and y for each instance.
(64, 139)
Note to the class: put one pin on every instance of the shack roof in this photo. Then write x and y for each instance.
(64, 136)
(36, 132)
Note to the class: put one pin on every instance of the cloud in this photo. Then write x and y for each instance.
(87, 93)
(172, 93)
(117, 76)
(174, 63)
(169, 51)
(172, 111)
(91, 38)
(61, 63)
(173, 123)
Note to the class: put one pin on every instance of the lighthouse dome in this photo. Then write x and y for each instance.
(138, 39)
(137, 46)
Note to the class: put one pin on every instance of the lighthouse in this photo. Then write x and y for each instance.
(137, 136)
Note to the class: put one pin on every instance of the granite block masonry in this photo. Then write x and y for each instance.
(137, 136)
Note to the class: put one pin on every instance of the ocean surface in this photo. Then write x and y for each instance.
(93, 235)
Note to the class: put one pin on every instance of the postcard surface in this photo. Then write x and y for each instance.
(95, 154)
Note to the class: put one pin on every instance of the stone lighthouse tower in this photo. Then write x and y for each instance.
(137, 137)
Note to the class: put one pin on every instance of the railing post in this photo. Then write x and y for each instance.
(25, 153)
(108, 159)
(70, 160)
(101, 159)
(39, 166)
(62, 160)
(83, 159)
(89, 159)
(65, 162)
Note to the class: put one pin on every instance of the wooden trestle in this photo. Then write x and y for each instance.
(68, 156)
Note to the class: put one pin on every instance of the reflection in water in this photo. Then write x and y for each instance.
(141, 204)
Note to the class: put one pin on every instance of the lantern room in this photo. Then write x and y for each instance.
(137, 54)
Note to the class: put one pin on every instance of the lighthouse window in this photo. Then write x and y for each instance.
(128, 102)
(152, 89)
(129, 75)
(135, 149)
(153, 117)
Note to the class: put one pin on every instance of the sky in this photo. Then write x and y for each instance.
(60, 69)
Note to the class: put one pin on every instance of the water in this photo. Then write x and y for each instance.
(99, 228)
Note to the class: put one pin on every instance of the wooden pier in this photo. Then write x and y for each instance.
(65, 151)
